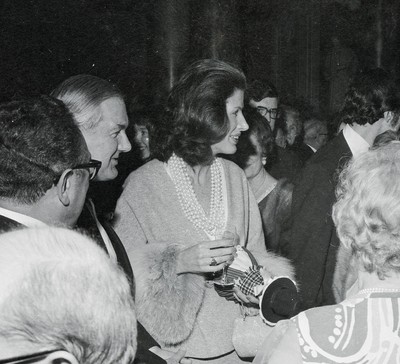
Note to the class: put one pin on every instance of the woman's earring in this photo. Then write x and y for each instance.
(264, 161)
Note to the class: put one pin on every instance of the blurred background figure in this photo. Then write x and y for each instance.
(62, 300)
(142, 138)
(263, 96)
(255, 147)
(367, 219)
(144, 122)
(293, 123)
(315, 133)
(315, 136)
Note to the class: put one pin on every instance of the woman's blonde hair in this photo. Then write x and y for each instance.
(367, 211)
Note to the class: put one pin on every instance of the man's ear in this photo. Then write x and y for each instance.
(60, 357)
(64, 186)
(390, 119)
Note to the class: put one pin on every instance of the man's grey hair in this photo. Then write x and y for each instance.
(83, 95)
(312, 128)
(59, 290)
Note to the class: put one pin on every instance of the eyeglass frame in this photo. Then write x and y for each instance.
(28, 358)
(92, 164)
(264, 111)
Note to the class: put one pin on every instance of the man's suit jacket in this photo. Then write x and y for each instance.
(303, 151)
(286, 164)
(311, 243)
(87, 223)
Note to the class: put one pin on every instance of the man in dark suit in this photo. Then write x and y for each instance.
(99, 110)
(44, 162)
(371, 107)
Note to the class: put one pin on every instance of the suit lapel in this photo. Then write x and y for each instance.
(87, 222)
(119, 248)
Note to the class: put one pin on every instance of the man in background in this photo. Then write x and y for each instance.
(315, 137)
(263, 96)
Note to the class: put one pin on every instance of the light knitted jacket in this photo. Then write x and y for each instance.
(182, 310)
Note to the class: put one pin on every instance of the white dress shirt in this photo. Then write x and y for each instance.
(355, 141)
(21, 218)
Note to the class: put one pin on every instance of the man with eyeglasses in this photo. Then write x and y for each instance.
(100, 113)
(44, 162)
(62, 301)
(263, 96)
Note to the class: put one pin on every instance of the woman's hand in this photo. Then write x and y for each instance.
(241, 297)
(206, 256)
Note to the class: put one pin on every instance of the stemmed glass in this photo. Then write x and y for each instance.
(222, 280)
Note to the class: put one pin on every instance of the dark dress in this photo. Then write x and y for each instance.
(275, 213)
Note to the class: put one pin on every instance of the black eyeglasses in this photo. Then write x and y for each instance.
(30, 358)
(93, 167)
(273, 113)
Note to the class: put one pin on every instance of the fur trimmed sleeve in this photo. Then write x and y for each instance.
(167, 304)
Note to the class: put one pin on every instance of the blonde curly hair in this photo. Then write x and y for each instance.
(367, 211)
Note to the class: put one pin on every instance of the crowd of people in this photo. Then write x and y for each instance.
(224, 169)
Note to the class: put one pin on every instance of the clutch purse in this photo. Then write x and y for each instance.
(244, 272)
(278, 296)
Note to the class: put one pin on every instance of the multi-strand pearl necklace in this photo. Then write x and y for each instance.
(214, 224)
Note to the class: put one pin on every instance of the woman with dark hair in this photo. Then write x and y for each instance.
(181, 214)
(254, 149)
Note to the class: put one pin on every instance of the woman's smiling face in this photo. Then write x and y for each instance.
(237, 124)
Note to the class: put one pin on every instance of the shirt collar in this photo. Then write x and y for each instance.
(312, 148)
(355, 141)
(21, 218)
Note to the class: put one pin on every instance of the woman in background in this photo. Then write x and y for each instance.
(273, 196)
(181, 214)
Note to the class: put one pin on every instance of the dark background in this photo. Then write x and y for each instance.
(143, 45)
(309, 49)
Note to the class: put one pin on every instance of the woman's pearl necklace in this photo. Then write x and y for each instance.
(214, 224)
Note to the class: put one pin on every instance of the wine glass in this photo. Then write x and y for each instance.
(223, 279)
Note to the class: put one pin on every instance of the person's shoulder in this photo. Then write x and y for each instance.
(231, 167)
(147, 170)
(146, 175)
(332, 152)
